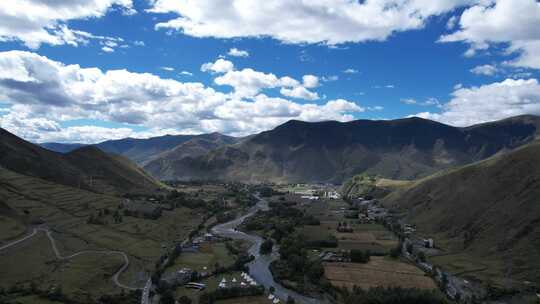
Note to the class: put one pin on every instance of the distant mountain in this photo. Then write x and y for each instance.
(144, 150)
(163, 164)
(333, 151)
(60, 147)
(86, 167)
(487, 213)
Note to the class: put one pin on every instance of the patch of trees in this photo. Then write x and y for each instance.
(359, 256)
(352, 214)
(392, 295)
(223, 217)
(266, 247)
(229, 293)
(295, 266)
(131, 297)
(330, 242)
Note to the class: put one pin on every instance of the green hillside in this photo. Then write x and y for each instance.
(486, 215)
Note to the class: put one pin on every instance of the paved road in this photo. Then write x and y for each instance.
(60, 257)
(259, 268)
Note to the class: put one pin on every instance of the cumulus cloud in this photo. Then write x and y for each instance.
(220, 66)
(36, 22)
(489, 102)
(249, 82)
(350, 71)
(42, 94)
(503, 21)
(238, 53)
(299, 92)
(300, 21)
(486, 69)
(310, 81)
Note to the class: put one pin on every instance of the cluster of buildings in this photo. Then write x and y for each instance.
(331, 256)
(245, 281)
(370, 210)
(273, 298)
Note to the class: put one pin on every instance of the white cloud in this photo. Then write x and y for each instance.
(330, 78)
(502, 21)
(248, 82)
(299, 92)
(451, 23)
(186, 73)
(36, 22)
(166, 68)
(220, 66)
(428, 102)
(350, 71)
(107, 49)
(486, 69)
(139, 43)
(330, 22)
(42, 94)
(490, 102)
(310, 81)
(409, 101)
(238, 53)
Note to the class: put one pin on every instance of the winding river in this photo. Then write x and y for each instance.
(259, 268)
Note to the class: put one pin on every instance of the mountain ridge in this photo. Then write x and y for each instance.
(86, 167)
(332, 151)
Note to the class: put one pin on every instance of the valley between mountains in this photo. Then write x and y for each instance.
(394, 209)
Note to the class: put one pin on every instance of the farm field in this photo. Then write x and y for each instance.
(205, 260)
(379, 271)
(372, 237)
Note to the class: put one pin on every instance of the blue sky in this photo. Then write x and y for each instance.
(443, 63)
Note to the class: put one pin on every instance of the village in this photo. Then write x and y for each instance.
(358, 234)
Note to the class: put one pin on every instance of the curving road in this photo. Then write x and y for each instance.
(60, 257)
(259, 268)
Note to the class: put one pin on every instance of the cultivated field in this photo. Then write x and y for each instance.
(205, 260)
(378, 272)
(372, 237)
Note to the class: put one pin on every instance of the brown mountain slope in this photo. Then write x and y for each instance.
(163, 164)
(488, 211)
(333, 151)
(87, 167)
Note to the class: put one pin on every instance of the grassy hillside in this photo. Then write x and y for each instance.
(86, 167)
(363, 185)
(486, 215)
(26, 200)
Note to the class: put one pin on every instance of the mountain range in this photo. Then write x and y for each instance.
(334, 151)
(329, 152)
